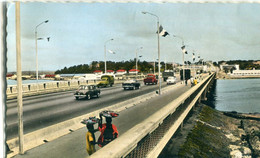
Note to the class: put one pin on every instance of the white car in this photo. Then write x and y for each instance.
(171, 80)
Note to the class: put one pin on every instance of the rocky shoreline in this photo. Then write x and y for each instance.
(211, 133)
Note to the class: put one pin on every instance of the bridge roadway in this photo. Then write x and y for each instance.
(45, 110)
(73, 144)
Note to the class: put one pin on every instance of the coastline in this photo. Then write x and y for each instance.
(211, 133)
(224, 76)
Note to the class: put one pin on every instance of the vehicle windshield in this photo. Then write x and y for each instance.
(104, 79)
(150, 76)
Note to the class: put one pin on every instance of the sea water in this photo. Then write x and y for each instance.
(14, 82)
(241, 95)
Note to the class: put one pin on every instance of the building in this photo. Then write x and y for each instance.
(133, 71)
(121, 72)
(246, 73)
(229, 67)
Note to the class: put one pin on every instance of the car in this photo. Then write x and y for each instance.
(150, 79)
(87, 91)
(171, 80)
(131, 84)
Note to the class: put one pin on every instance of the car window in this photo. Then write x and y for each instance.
(90, 87)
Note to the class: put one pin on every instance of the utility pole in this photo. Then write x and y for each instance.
(19, 77)
(3, 44)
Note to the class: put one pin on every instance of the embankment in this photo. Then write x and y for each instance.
(211, 133)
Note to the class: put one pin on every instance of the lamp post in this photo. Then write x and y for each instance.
(159, 64)
(136, 67)
(183, 52)
(105, 51)
(36, 39)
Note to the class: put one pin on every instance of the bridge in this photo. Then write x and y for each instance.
(146, 122)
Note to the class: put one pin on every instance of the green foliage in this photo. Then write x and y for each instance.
(143, 66)
(243, 64)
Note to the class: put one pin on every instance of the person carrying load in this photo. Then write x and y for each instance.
(90, 136)
(108, 130)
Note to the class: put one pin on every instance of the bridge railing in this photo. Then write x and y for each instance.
(48, 87)
(148, 138)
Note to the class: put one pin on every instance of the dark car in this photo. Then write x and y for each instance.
(87, 91)
(131, 84)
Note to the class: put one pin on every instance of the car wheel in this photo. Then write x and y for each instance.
(88, 96)
(77, 98)
(98, 94)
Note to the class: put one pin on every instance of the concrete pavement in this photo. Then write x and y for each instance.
(73, 144)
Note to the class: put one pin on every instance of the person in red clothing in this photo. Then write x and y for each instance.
(108, 130)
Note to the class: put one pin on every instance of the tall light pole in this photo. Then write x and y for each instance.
(105, 53)
(183, 52)
(36, 39)
(159, 61)
(19, 78)
(136, 67)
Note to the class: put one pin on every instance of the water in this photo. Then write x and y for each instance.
(241, 95)
(14, 82)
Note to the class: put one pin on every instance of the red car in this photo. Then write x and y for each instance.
(150, 79)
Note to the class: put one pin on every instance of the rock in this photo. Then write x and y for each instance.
(236, 154)
(232, 137)
(241, 132)
(234, 147)
(246, 151)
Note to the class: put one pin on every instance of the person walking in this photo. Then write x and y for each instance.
(195, 81)
(108, 130)
(90, 139)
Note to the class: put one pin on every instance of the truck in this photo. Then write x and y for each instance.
(187, 74)
(150, 79)
(167, 73)
(106, 80)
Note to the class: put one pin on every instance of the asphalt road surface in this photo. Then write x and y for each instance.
(73, 144)
(45, 110)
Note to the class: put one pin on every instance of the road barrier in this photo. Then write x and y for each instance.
(49, 87)
(148, 138)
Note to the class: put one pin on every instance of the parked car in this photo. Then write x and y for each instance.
(171, 80)
(106, 80)
(87, 91)
(131, 84)
(150, 79)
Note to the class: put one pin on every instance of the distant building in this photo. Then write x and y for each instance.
(229, 67)
(97, 72)
(246, 72)
(121, 72)
(133, 71)
(110, 72)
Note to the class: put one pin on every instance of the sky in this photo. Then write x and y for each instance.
(78, 32)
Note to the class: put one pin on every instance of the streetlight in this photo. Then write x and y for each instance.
(106, 54)
(159, 64)
(136, 67)
(183, 52)
(36, 39)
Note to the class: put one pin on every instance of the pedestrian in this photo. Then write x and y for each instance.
(108, 130)
(186, 82)
(90, 139)
(192, 81)
(195, 81)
